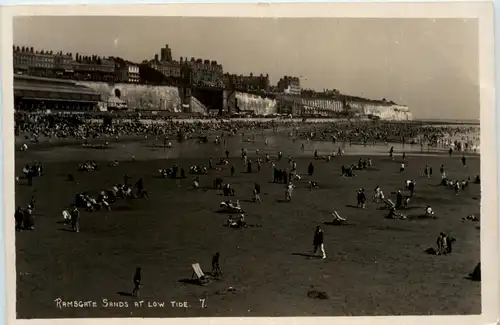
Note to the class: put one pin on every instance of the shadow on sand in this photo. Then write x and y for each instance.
(190, 281)
(65, 229)
(307, 255)
(125, 294)
(339, 224)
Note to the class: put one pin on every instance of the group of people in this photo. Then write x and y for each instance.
(385, 132)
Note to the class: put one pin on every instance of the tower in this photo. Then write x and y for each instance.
(166, 54)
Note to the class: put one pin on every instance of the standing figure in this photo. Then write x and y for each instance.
(75, 219)
(310, 169)
(318, 242)
(215, 265)
(137, 282)
(18, 216)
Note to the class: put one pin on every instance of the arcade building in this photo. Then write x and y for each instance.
(41, 94)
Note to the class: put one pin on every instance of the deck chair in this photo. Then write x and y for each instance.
(200, 276)
(389, 203)
(339, 218)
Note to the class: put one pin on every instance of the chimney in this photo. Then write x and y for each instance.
(156, 57)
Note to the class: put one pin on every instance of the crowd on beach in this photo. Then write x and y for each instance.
(369, 132)
(36, 127)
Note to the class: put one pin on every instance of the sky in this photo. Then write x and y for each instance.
(431, 65)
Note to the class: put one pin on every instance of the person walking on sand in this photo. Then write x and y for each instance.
(216, 271)
(28, 219)
(256, 193)
(32, 202)
(310, 169)
(441, 171)
(137, 282)
(75, 219)
(18, 216)
(318, 242)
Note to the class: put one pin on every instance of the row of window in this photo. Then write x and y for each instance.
(51, 65)
(40, 65)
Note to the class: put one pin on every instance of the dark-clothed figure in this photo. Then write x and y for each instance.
(411, 187)
(256, 193)
(75, 219)
(141, 191)
(175, 170)
(126, 178)
(399, 199)
(318, 242)
(310, 169)
(476, 274)
(18, 216)
(137, 282)
(442, 244)
(218, 183)
(28, 220)
(215, 265)
(361, 198)
(32, 202)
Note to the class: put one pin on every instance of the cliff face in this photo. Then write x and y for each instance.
(168, 98)
(388, 112)
(255, 103)
(139, 96)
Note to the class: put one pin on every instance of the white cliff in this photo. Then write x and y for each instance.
(168, 99)
(387, 111)
(256, 103)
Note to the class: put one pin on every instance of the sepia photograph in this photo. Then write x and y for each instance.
(182, 166)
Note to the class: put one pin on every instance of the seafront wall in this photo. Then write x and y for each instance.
(384, 110)
(165, 98)
(139, 96)
(334, 105)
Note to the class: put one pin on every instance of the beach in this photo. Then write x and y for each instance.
(375, 267)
